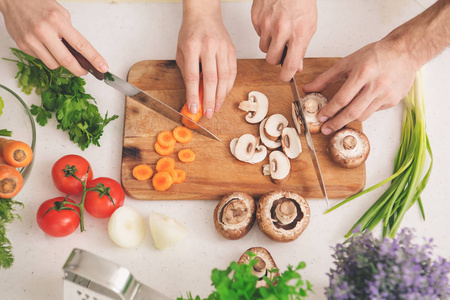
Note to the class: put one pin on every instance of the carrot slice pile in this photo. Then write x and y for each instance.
(11, 181)
(181, 176)
(172, 173)
(15, 153)
(142, 172)
(165, 138)
(186, 155)
(164, 151)
(182, 134)
(194, 117)
(165, 163)
(162, 181)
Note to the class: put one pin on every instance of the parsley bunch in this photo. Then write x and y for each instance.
(238, 283)
(63, 94)
(7, 216)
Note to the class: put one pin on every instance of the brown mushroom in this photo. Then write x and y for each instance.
(312, 103)
(280, 167)
(270, 144)
(265, 264)
(290, 141)
(274, 126)
(245, 147)
(349, 148)
(257, 106)
(234, 215)
(282, 215)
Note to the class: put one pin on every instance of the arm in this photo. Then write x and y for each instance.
(380, 74)
(280, 23)
(37, 27)
(204, 39)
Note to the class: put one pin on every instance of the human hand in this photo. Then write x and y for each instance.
(379, 75)
(281, 23)
(204, 40)
(38, 27)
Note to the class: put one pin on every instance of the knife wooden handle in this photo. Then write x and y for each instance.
(84, 62)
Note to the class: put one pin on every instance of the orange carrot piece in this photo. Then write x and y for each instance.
(162, 181)
(186, 155)
(15, 153)
(181, 176)
(172, 173)
(182, 134)
(11, 181)
(194, 117)
(163, 150)
(142, 172)
(165, 138)
(165, 163)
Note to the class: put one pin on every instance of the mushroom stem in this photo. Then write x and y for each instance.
(349, 142)
(259, 269)
(234, 212)
(311, 106)
(286, 212)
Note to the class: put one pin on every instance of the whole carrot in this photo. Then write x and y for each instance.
(15, 153)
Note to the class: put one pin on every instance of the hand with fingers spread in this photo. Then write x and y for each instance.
(38, 28)
(204, 40)
(380, 74)
(290, 23)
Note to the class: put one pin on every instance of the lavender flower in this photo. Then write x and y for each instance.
(369, 268)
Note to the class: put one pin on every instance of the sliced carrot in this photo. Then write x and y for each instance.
(165, 138)
(162, 181)
(11, 181)
(15, 153)
(165, 163)
(161, 150)
(172, 173)
(182, 134)
(186, 155)
(181, 176)
(194, 117)
(142, 172)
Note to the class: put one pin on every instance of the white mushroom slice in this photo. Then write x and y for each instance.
(262, 268)
(271, 145)
(282, 215)
(280, 167)
(257, 105)
(266, 170)
(290, 141)
(245, 147)
(274, 125)
(259, 156)
(233, 146)
(349, 148)
(295, 119)
(312, 103)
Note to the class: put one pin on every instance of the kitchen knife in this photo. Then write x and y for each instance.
(137, 94)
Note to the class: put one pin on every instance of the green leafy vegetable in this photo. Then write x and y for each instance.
(62, 94)
(5, 132)
(2, 104)
(238, 283)
(407, 182)
(7, 215)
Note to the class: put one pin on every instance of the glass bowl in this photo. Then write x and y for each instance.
(17, 118)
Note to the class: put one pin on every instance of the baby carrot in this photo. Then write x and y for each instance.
(165, 163)
(161, 150)
(182, 134)
(15, 153)
(162, 181)
(181, 176)
(11, 181)
(165, 138)
(142, 172)
(186, 155)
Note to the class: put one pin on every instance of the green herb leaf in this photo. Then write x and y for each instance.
(7, 215)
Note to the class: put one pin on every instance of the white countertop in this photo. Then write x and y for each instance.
(126, 33)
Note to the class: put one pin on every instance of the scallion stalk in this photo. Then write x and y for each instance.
(407, 180)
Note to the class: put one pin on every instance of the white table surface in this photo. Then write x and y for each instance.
(126, 33)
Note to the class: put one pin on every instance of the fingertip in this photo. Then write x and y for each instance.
(193, 108)
(208, 113)
(326, 130)
(103, 67)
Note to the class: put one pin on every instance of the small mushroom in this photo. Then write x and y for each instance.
(280, 167)
(270, 144)
(257, 105)
(282, 215)
(274, 126)
(349, 148)
(290, 141)
(263, 267)
(234, 215)
(245, 147)
(312, 103)
(259, 155)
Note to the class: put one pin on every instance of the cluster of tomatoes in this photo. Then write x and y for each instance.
(73, 175)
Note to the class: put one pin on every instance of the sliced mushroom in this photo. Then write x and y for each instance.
(349, 148)
(290, 141)
(266, 169)
(282, 215)
(280, 167)
(233, 146)
(257, 105)
(297, 122)
(274, 126)
(271, 145)
(312, 103)
(259, 155)
(245, 147)
(263, 267)
(234, 215)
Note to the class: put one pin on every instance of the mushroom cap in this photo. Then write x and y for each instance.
(319, 101)
(349, 158)
(269, 223)
(234, 215)
(274, 126)
(280, 167)
(290, 141)
(245, 147)
(268, 264)
(270, 144)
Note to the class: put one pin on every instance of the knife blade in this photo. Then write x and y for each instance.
(137, 94)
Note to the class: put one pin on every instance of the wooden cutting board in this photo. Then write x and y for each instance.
(215, 171)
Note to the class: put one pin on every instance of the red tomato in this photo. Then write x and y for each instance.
(57, 223)
(70, 185)
(102, 207)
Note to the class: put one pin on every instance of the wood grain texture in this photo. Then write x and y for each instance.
(215, 171)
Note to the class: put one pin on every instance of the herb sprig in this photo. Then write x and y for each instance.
(62, 94)
(7, 215)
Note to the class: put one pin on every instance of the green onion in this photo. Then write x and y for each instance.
(407, 180)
